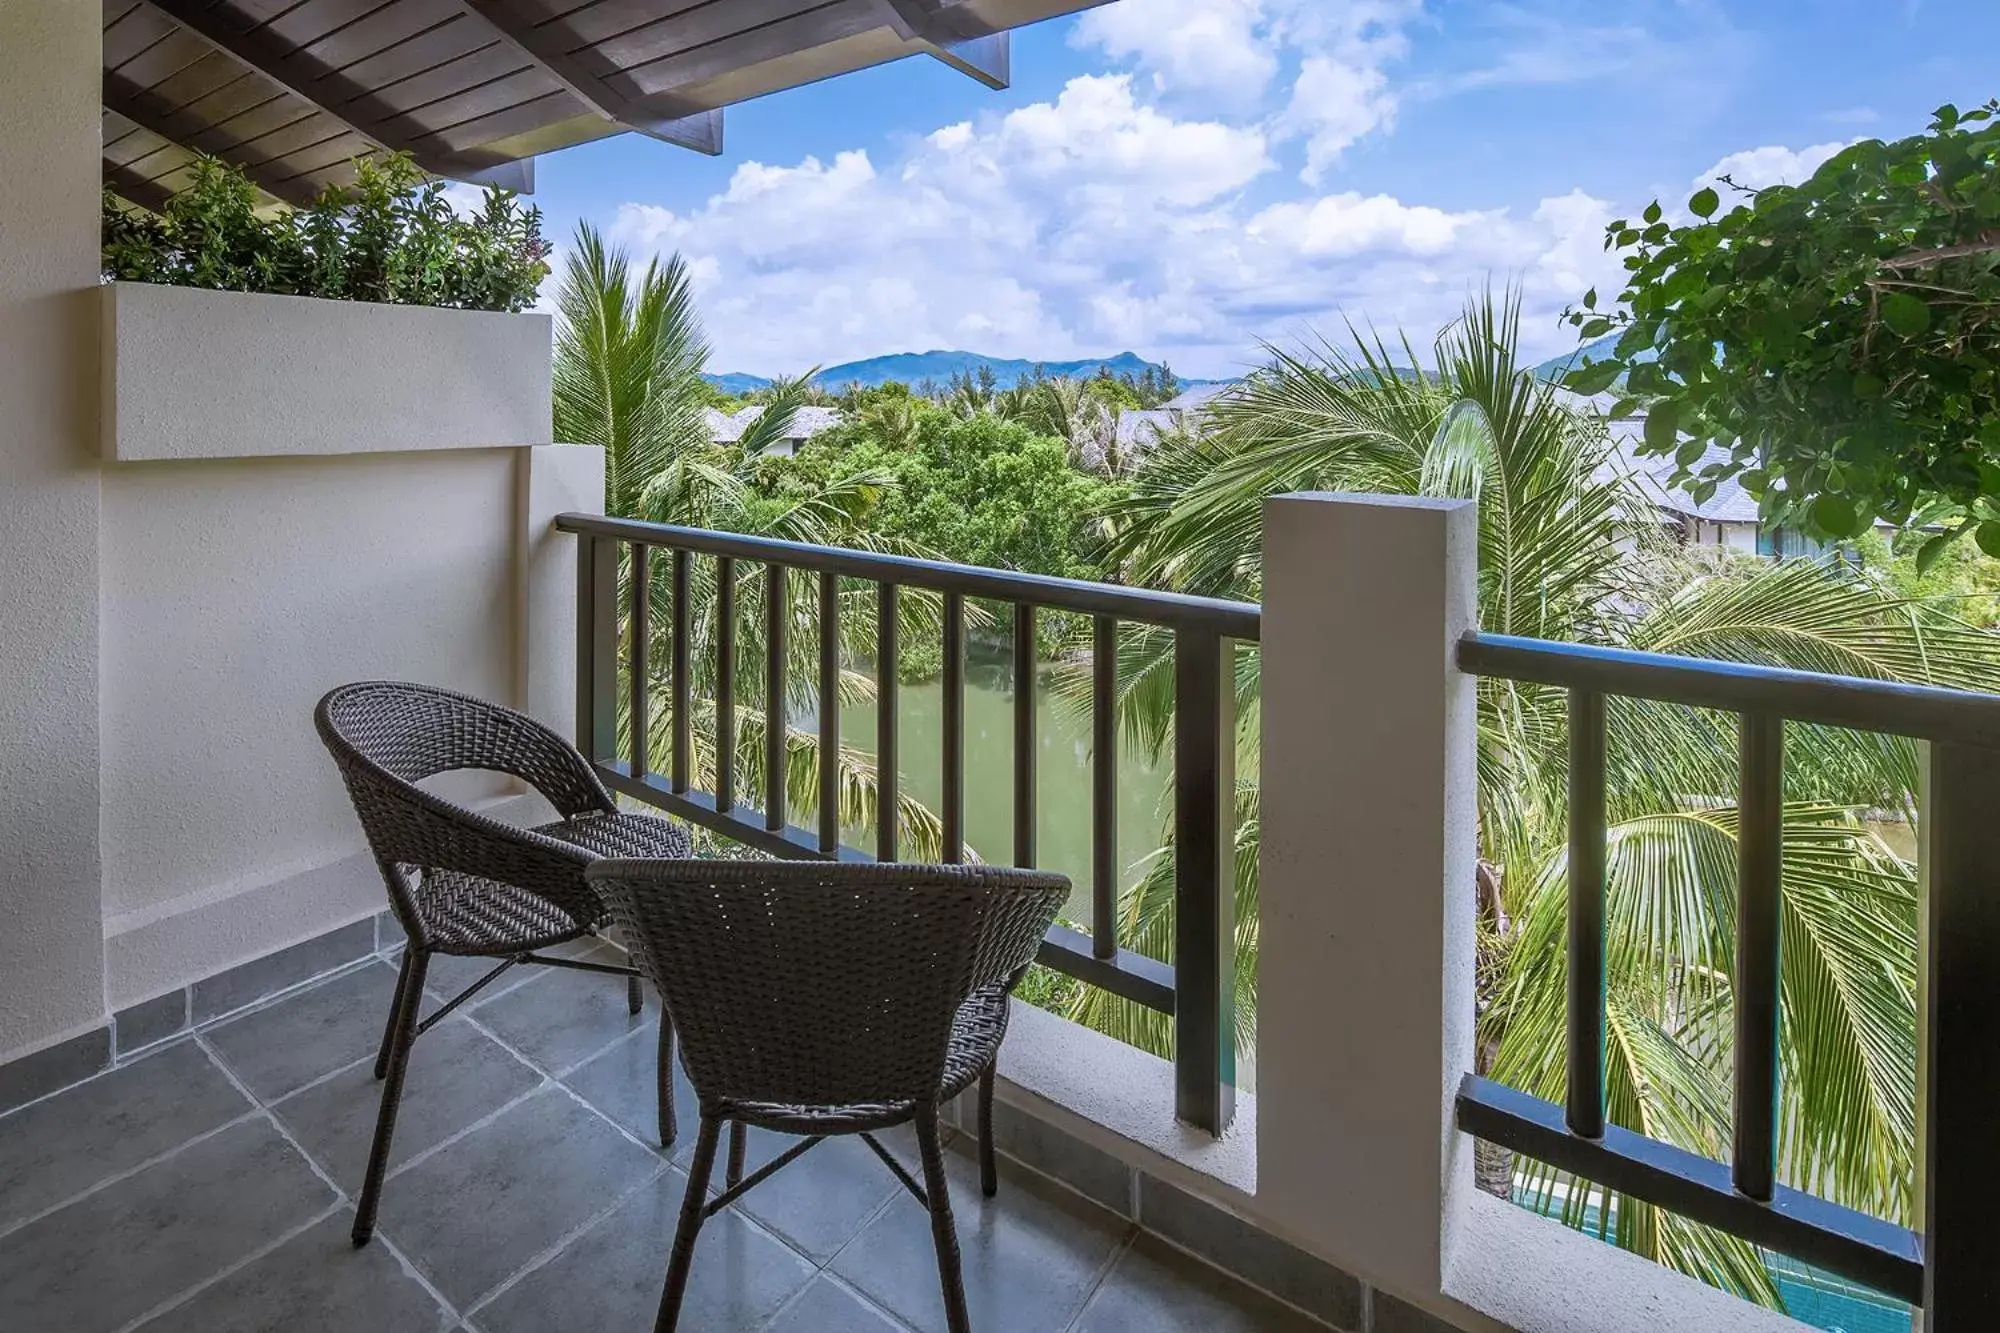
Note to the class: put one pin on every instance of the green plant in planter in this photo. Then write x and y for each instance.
(392, 237)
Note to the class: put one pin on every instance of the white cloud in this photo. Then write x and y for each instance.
(1085, 225)
(1761, 168)
(1207, 46)
(1333, 104)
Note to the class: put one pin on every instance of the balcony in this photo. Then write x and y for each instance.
(207, 1184)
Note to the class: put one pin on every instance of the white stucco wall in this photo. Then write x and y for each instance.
(235, 593)
(287, 375)
(50, 974)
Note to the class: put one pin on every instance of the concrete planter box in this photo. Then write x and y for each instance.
(191, 374)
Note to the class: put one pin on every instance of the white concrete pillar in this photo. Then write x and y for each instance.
(555, 479)
(51, 945)
(1365, 1007)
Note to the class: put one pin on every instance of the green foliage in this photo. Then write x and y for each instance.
(978, 490)
(1962, 579)
(1837, 338)
(1560, 559)
(392, 237)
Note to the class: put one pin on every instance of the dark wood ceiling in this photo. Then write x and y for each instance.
(295, 90)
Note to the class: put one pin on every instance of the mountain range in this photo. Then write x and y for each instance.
(939, 367)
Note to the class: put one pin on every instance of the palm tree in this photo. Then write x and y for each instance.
(629, 358)
(1568, 551)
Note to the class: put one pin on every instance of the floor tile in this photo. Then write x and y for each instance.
(63, 1145)
(821, 1201)
(611, 1277)
(1235, 1246)
(1155, 1288)
(562, 1017)
(252, 981)
(1031, 1256)
(54, 1067)
(621, 1082)
(480, 1208)
(111, 1256)
(280, 1048)
(316, 1282)
(449, 974)
(150, 1021)
(828, 1307)
(457, 1076)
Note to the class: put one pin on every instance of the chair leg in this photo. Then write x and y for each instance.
(402, 1035)
(666, 1080)
(943, 1233)
(395, 1008)
(739, 1143)
(692, 1203)
(989, 1168)
(635, 995)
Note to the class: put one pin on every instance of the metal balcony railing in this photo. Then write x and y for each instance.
(1953, 1268)
(1196, 988)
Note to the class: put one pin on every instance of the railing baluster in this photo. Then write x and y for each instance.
(1961, 1077)
(725, 684)
(597, 647)
(1104, 787)
(642, 657)
(888, 634)
(777, 624)
(1586, 913)
(1204, 880)
(682, 688)
(953, 814)
(1025, 666)
(1760, 815)
(829, 711)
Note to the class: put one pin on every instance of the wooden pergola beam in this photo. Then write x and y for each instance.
(356, 108)
(660, 118)
(987, 57)
(149, 114)
(133, 188)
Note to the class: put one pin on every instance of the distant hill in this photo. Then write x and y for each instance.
(1599, 350)
(916, 367)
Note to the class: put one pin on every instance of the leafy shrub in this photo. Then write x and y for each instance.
(392, 237)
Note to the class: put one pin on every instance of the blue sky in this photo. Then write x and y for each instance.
(1192, 178)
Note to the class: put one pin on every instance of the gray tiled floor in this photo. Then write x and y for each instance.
(207, 1185)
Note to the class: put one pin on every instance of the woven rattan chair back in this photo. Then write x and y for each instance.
(387, 736)
(819, 984)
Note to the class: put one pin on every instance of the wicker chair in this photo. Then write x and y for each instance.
(463, 884)
(816, 998)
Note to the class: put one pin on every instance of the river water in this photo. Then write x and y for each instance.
(1063, 764)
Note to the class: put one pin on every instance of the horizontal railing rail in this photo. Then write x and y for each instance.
(1196, 989)
(1951, 1269)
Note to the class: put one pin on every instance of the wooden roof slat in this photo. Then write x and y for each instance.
(142, 109)
(773, 41)
(472, 89)
(706, 23)
(270, 57)
(663, 119)
(134, 188)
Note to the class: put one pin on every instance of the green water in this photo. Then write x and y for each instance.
(1063, 764)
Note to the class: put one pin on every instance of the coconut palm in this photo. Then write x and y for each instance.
(629, 359)
(1568, 551)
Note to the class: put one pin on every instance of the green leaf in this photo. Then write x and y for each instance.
(1653, 212)
(1662, 427)
(1834, 515)
(1704, 202)
(1595, 328)
(1593, 377)
(1905, 314)
(1988, 537)
(1933, 547)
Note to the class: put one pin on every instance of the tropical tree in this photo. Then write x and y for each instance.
(630, 353)
(1568, 551)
